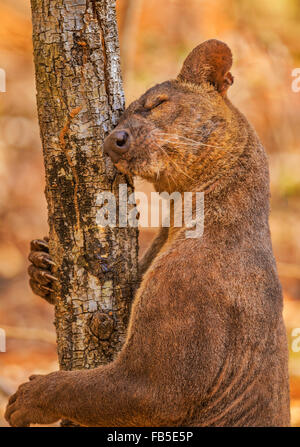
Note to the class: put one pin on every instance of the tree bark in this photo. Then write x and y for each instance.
(79, 100)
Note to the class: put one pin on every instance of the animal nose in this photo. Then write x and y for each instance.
(116, 144)
(121, 137)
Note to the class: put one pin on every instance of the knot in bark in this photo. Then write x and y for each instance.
(102, 325)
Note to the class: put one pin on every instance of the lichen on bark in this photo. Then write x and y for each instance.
(79, 100)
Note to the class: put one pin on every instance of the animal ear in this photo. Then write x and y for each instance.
(209, 62)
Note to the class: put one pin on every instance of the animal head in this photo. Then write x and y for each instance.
(181, 132)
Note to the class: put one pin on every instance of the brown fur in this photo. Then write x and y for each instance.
(206, 343)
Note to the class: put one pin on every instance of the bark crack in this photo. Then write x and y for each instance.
(62, 135)
(104, 50)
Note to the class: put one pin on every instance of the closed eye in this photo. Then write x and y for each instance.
(151, 104)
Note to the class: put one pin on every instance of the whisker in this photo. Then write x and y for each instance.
(172, 161)
(181, 143)
(157, 173)
(188, 140)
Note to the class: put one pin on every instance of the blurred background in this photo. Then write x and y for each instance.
(155, 37)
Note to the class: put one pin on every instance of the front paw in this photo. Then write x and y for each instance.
(40, 270)
(31, 403)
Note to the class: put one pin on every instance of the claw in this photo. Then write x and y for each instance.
(49, 276)
(44, 244)
(47, 288)
(39, 245)
(41, 259)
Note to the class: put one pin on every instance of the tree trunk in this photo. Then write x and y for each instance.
(79, 100)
